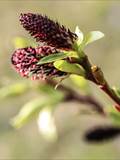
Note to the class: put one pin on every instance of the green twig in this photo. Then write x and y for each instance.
(94, 74)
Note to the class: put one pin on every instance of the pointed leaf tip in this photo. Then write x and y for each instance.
(93, 36)
(80, 34)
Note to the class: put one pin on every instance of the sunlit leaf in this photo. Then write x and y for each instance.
(64, 66)
(80, 82)
(80, 35)
(92, 36)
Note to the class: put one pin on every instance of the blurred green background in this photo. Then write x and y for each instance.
(27, 142)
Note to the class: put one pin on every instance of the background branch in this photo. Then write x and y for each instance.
(71, 95)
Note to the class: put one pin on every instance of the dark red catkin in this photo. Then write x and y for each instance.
(46, 30)
(25, 62)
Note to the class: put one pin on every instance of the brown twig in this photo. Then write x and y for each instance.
(71, 95)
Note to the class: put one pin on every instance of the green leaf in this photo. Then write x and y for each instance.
(64, 66)
(80, 82)
(52, 58)
(57, 56)
(30, 110)
(13, 90)
(80, 35)
(21, 42)
(91, 37)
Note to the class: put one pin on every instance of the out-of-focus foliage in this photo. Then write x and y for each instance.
(80, 82)
(30, 109)
(33, 107)
(13, 90)
(21, 42)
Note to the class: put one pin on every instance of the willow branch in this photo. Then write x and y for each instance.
(94, 74)
(71, 95)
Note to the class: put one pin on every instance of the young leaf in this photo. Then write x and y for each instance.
(52, 58)
(64, 66)
(92, 36)
(57, 56)
(80, 35)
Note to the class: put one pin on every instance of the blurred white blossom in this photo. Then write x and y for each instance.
(47, 125)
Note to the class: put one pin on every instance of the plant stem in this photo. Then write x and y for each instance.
(94, 74)
(84, 62)
(71, 95)
(110, 92)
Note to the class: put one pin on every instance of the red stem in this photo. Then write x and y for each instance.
(110, 93)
